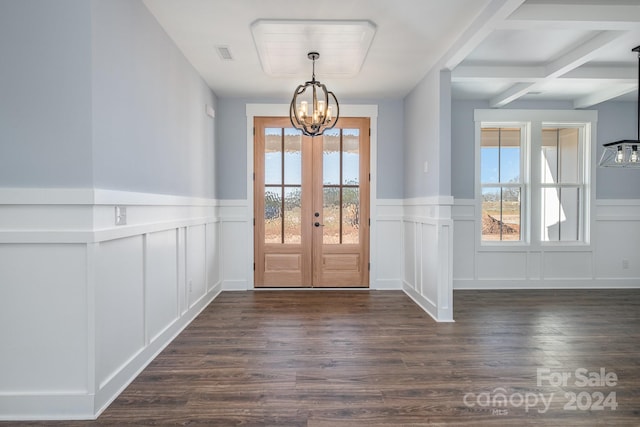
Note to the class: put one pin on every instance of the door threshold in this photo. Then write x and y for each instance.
(358, 288)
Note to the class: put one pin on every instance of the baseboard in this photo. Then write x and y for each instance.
(235, 285)
(46, 406)
(490, 284)
(387, 284)
(428, 306)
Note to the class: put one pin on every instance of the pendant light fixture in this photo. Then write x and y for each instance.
(624, 153)
(313, 108)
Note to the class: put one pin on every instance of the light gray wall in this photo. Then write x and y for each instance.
(427, 124)
(616, 120)
(231, 146)
(45, 93)
(150, 130)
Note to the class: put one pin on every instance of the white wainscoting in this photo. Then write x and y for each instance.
(85, 305)
(427, 234)
(611, 260)
(236, 219)
(386, 244)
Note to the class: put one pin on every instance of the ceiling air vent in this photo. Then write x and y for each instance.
(224, 52)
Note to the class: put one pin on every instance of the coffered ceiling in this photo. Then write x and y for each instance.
(497, 50)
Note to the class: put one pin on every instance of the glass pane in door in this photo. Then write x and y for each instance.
(331, 215)
(272, 215)
(350, 215)
(350, 156)
(292, 215)
(331, 157)
(272, 156)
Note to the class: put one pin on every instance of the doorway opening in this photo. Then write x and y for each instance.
(311, 204)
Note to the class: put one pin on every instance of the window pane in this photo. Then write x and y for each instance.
(510, 164)
(292, 215)
(560, 155)
(489, 156)
(550, 215)
(561, 214)
(500, 155)
(501, 213)
(350, 215)
(351, 156)
(331, 157)
(491, 212)
(292, 157)
(273, 156)
(570, 205)
(331, 215)
(511, 213)
(569, 157)
(272, 215)
(549, 156)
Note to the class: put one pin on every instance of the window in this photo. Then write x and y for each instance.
(562, 184)
(534, 177)
(501, 182)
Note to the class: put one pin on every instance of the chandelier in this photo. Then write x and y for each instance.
(624, 153)
(315, 110)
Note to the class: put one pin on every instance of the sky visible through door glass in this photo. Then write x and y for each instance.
(292, 162)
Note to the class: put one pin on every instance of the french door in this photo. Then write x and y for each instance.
(311, 201)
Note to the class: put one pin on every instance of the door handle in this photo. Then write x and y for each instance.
(317, 224)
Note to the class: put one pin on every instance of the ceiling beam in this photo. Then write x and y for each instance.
(598, 17)
(491, 17)
(603, 95)
(511, 94)
(518, 73)
(535, 74)
(560, 66)
(582, 54)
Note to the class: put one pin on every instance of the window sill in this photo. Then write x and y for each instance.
(535, 247)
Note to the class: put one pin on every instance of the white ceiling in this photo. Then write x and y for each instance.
(498, 50)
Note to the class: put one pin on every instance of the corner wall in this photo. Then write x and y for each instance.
(101, 110)
(427, 229)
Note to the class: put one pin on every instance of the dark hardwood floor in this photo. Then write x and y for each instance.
(342, 358)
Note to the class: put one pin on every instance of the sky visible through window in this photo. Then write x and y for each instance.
(509, 164)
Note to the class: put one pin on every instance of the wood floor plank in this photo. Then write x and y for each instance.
(354, 358)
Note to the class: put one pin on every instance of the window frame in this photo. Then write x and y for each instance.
(522, 184)
(531, 215)
(580, 184)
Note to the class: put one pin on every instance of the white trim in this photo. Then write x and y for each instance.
(282, 110)
(550, 284)
(97, 236)
(428, 201)
(95, 196)
(498, 115)
(618, 202)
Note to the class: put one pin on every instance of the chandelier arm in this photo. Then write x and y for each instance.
(337, 109)
(638, 104)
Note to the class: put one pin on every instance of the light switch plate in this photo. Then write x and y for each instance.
(121, 215)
